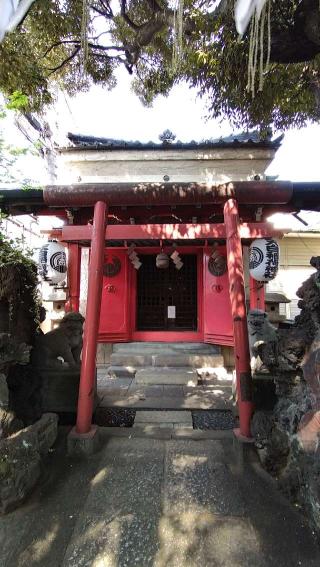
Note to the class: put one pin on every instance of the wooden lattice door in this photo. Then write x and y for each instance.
(167, 298)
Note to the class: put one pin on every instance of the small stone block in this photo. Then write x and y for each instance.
(157, 417)
(46, 430)
(83, 444)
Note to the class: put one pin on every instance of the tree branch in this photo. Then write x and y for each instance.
(154, 6)
(64, 62)
(107, 47)
(125, 16)
(107, 8)
(62, 42)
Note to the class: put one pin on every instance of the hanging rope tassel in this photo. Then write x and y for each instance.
(84, 34)
(177, 50)
(260, 34)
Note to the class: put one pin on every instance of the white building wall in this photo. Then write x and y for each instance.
(295, 253)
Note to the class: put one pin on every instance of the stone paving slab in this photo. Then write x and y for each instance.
(198, 479)
(159, 417)
(187, 432)
(147, 391)
(166, 376)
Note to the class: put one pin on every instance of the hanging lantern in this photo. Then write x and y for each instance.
(264, 259)
(52, 262)
(162, 261)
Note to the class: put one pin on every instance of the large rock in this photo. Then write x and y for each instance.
(20, 468)
(25, 398)
(4, 392)
(20, 460)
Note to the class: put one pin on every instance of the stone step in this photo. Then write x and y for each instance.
(164, 419)
(165, 348)
(177, 376)
(121, 371)
(163, 360)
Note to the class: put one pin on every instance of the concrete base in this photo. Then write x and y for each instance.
(83, 444)
(171, 376)
(244, 449)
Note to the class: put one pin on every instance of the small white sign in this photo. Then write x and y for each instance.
(171, 311)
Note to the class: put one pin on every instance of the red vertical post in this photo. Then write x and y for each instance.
(74, 267)
(257, 295)
(239, 316)
(89, 350)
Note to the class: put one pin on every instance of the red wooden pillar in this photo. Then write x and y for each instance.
(239, 316)
(257, 295)
(89, 350)
(74, 266)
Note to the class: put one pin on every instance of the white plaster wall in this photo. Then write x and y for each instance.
(295, 254)
(141, 166)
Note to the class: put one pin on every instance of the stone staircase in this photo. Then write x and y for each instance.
(165, 363)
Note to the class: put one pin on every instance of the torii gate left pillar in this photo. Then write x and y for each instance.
(83, 438)
(74, 268)
(239, 316)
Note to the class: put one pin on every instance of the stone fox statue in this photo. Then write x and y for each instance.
(62, 346)
(261, 333)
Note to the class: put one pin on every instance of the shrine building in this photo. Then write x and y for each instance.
(168, 227)
(141, 301)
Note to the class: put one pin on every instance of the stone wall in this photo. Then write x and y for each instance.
(288, 438)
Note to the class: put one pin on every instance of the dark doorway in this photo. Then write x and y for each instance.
(167, 298)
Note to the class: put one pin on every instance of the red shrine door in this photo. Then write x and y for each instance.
(218, 327)
(169, 305)
(167, 299)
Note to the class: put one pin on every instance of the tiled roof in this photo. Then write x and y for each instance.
(249, 139)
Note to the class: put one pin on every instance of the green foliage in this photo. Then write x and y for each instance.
(49, 45)
(18, 279)
(17, 101)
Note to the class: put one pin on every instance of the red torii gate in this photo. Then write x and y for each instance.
(231, 230)
(229, 196)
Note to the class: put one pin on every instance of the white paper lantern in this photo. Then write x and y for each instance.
(52, 263)
(264, 259)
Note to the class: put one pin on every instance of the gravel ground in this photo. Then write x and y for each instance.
(114, 417)
(213, 419)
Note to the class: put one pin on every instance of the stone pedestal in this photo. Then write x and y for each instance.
(83, 444)
(60, 390)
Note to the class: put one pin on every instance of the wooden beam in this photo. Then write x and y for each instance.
(76, 233)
